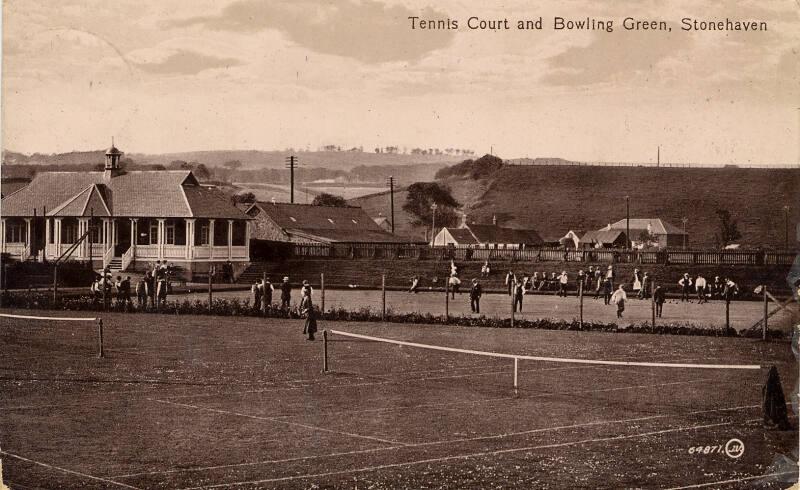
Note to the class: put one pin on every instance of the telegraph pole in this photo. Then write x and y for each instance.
(628, 221)
(433, 224)
(786, 227)
(390, 182)
(684, 220)
(291, 163)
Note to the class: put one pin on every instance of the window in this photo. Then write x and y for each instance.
(95, 231)
(153, 232)
(15, 233)
(204, 235)
(170, 229)
(69, 232)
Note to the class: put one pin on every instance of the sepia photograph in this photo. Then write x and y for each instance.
(399, 244)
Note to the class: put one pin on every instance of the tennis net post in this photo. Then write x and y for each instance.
(324, 350)
(100, 352)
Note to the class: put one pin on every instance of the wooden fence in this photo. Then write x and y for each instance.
(610, 256)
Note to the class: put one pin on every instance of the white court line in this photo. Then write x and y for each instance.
(274, 419)
(472, 439)
(736, 480)
(83, 475)
(549, 359)
(462, 456)
(58, 318)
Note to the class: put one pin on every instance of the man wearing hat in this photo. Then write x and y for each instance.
(307, 309)
(286, 293)
(685, 284)
(475, 294)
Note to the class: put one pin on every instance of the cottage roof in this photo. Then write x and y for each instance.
(335, 224)
(499, 234)
(657, 226)
(161, 194)
(603, 237)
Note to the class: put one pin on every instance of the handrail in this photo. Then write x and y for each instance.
(127, 258)
(107, 256)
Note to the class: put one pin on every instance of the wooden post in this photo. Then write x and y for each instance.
(516, 376)
(325, 351)
(100, 352)
(766, 314)
(727, 315)
(580, 296)
(55, 283)
(383, 294)
(447, 300)
(322, 292)
(513, 295)
(653, 301)
(210, 287)
(264, 294)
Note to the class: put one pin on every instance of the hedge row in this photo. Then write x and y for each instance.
(236, 307)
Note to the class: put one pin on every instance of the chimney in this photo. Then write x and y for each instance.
(494, 219)
(463, 220)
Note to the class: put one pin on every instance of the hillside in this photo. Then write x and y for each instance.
(553, 199)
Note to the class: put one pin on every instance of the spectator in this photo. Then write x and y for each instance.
(266, 293)
(286, 293)
(518, 291)
(256, 292)
(717, 288)
(563, 279)
(454, 283)
(475, 294)
(553, 282)
(307, 309)
(607, 290)
(510, 280)
(700, 289)
(618, 298)
(124, 291)
(637, 281)
(598, 282)
(731, 290)
(151, 288)
(414, 285)
(658, 299)
(644, 292)
(161, 286)
(141, 292)
(685, 283)
(485, 269)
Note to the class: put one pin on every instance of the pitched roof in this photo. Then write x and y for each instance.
(462, 235)
(9, 186)
(162, 194)
(603, 237)
(657, 226)
(336, 224)
(499, 234)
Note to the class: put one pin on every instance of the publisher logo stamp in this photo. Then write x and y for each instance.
(734, 448)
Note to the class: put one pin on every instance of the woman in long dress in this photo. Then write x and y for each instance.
(637, 280)
(307, 309)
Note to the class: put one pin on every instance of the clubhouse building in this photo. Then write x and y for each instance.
(123, 220)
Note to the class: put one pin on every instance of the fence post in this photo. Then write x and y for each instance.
(210, 287)
(100, 352)
(580, 296)
(325, 351)
(447, 300)
(322, 288)
(55, 283)
(264, 294)
(383, 295)
(766, 314)
(653, 302)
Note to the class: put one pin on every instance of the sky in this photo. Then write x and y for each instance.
(183, 75)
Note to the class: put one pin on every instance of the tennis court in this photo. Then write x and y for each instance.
(203, 402)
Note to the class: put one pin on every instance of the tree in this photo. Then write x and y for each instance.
(233, 164)
(200, 171)
(647, 239)
(329, 200)
(728, 229)
(420, 197)
(244, 197)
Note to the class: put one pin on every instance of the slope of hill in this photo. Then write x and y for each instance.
(554, 199)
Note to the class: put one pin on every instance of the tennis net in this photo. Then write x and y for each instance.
(38, 335)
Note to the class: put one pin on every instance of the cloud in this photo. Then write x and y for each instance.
(365, 30)
(185, 62)
(611, 57)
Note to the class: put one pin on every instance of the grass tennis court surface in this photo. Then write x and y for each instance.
(202, 402)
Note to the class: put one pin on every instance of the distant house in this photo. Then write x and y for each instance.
(487, 236)
(304, 223)
(572, 239)
(383, 222)
(664, 234)
(604, 239)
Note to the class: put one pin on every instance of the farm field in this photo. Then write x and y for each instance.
(743, 314)
(203, 402)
